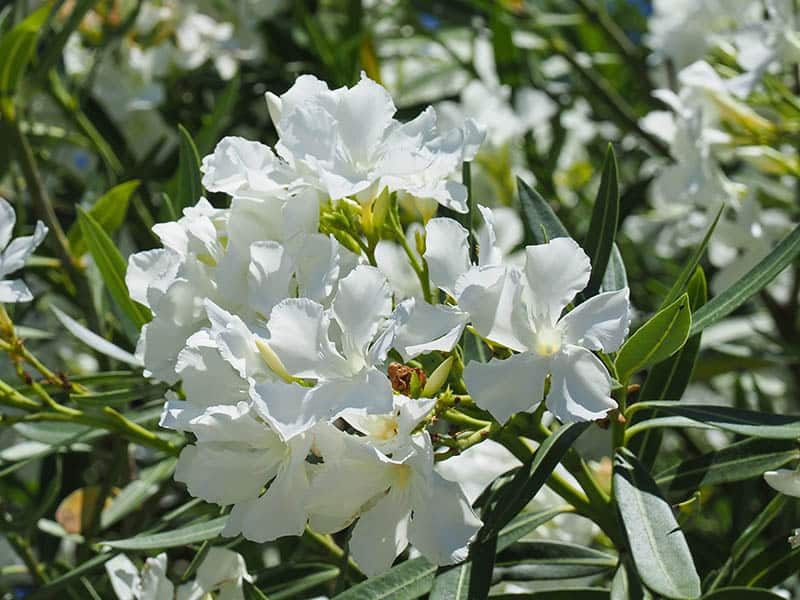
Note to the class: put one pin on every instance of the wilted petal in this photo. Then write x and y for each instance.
(556, 271)
(446, 252)
(580, 388)
(505, 387)
(600, 323)
(381, 533)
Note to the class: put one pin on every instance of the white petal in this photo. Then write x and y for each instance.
(489, 254)
(18, 251)
(289, 408)
(124, 577)
(219, 567)
(786, 481)
(600, 323)
(369, 392)
(7, 221)
(235, 161)
(556, 271)
(299, 336)
(492, 296)
(505, 387)
(446, 252)
(428, 327)
(208, 379)
(443, 523)
(236, 343)
(318, 266)
(14, 290)
(269, 275)
(155, 584)
(580, 388)
(281, 510)
(381, 534)
(361, 304)
(151, 269)
(363, 116)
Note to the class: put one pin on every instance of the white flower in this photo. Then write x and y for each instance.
(222, 572)
(14, 254)
(523, 311)
(397, 500)
(346, 142)
(129, 584)
(235, 456)
(786, 481)
(244, 168)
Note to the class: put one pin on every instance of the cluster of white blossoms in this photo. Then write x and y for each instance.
(281, 325)
(221, 573)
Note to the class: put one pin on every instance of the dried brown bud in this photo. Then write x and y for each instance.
(400, 376)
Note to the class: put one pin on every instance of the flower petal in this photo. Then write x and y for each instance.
(600, 323)
(299, 336)
(18, 251)
(8, 219)
(381, 533)
(786, 481)
(505, 387)
(492, 296)
(124, 577)
(269, 275)
(14, 290)
(443, 523)
(427, 327)
(580, 388)
(208, 379)
(154, 581)
(362, 302)
(556, 271)
(446, 252)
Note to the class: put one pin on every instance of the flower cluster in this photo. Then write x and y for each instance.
(282, 325)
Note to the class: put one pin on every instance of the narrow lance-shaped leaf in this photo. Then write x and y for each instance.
(112, 268)
(408, 580)
(16, 51)
(189, 180)
(615, 277)
(747, 459)
(109, 212)
(690, 269)
(669, 378)
(658, 547)
(744, 422)
(541, 223)
(190, 534)
(659, 338)
(751, 283)
(482, 554)
(603, 226)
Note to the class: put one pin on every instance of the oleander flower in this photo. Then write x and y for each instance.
(398, 500)
(346, 143)
(14, 254)
(522, 310)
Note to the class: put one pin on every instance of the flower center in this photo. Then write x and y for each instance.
(548, 341)
(386, 428)
(402, 475)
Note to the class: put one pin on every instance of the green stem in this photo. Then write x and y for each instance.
(25, 552)
(327, 545)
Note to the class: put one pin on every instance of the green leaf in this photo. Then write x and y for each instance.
(626, 585)
(558, 594)
(657, 545)
(751, 283)
(690, 269)
(615, 277)
(112, 268)
(661, 337)
(453, 583)
(747, 459)
(191, 534)
(736, 420)
(603, 226)
(136, 492)
(482, 555)
(251, 592)
(742, 593)
(541, 223)
(16, 51)
(769, 567)
(297, 585)
(408, 580)
(544, 559)
(669, 378)
(109, 212)
(190, 187)
(512, 497)
(216, 122)
(47, 590)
